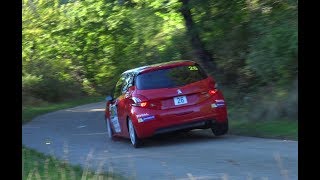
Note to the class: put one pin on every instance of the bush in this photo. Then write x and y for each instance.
(30, 87)
(30, 83)
(275, 103)
(38, 89)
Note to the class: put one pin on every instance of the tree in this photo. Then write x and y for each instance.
(204, 56)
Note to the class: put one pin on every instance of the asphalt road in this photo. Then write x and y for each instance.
(79, 136)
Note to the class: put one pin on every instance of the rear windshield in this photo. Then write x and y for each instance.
(169, 78)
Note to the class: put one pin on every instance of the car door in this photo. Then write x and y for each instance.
(124, 104)
(113, 108)
(119, 108)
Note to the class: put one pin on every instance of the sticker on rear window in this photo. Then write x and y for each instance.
(193, 68)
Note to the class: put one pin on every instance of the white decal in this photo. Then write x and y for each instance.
(114, 118)
(140, 120)
(146, 118)
(213, 105)
(141, 115)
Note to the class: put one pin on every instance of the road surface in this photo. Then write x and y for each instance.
(78, 135)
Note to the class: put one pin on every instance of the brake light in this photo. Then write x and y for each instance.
(143, 104)
(212, 92)
(148, 104)
(138, 102)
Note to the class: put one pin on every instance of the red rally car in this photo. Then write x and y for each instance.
(165, 97)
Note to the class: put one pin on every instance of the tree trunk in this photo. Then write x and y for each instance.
(205, 58)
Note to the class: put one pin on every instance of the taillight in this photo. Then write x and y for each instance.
(140, 104)
(145, 103)
(213, 91)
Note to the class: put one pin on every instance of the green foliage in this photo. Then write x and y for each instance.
(30, 81)
(39, 166)
(36, 165)
(74, 48)
(264, 104)
(279, 128)
(274, 50)
(254, 42)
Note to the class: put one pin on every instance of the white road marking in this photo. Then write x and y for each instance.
(81, 126)
(95, 110)
(84, 110)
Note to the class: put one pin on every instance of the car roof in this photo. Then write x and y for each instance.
(158, 66)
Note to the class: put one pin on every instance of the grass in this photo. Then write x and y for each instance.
(38, 166)
(267, 113)
(30, 112)
(278, 129)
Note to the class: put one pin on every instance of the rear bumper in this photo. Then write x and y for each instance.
(203, 124)
(162, 121)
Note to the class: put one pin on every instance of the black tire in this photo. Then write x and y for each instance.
(219, 129)
(109, 129)
(135, 140)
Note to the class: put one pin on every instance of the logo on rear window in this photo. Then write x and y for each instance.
(193, 68)
(179, 91)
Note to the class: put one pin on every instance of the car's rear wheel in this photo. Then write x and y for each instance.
(135, 141)
(220, 129)
(109, 129)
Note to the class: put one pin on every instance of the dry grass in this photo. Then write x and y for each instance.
(37, 166)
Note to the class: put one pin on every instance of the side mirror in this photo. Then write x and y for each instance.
(109, 98)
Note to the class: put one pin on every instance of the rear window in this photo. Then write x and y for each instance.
(169, 78)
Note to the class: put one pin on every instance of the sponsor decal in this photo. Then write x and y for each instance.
(142, 115)
(146, 118)
(140, 120)
(116, 124)
(114, 118)
(219, 102)
(193, 68)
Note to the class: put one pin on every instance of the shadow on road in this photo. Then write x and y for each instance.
(172, 139)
